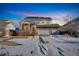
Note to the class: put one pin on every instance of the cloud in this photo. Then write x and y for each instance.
(24, 13)
(58, 17)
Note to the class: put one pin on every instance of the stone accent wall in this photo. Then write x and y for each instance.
(27, 29)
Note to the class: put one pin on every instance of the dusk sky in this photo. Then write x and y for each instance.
(57, 11)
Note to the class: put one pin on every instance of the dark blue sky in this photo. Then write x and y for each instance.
(18, 11)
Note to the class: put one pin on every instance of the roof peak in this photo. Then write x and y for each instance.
(37, 17)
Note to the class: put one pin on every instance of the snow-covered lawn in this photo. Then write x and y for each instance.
(44, 45)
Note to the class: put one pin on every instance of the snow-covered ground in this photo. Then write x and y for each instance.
(53, 45)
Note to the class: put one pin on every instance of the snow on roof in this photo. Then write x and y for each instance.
(31, 19)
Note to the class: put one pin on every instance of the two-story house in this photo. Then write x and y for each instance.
(41, 25)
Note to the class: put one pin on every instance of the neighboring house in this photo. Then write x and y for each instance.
(71, 28)
(6, 28)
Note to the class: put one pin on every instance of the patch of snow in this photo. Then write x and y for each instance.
(43, 46)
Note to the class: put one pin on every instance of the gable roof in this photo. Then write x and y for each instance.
(33, 18)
